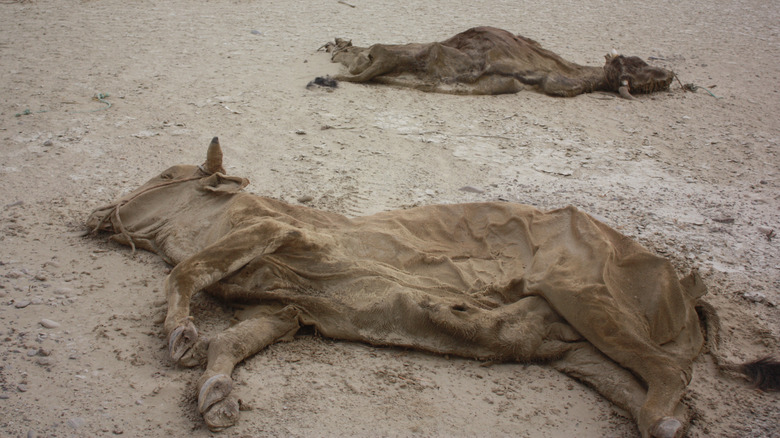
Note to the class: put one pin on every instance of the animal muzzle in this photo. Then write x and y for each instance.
(631, 75)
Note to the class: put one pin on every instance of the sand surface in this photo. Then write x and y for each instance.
(693, 177)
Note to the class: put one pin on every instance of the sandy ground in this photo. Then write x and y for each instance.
(691, 176)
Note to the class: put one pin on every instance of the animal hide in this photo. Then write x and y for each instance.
(486, 60)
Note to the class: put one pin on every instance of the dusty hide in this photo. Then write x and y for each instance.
(493, 280)
(486, 60)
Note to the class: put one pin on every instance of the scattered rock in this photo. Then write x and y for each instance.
(724, 220)
(756, 297)
(471, 189)
(768, 232)
(76, 422)
(14, 204)
(48, 143)
(49, 324)
(304, 199)
(22, 304)
(145, 134)
(300, 132)
(21, 387)
(44, 361)
(253, 32)
(63, 291)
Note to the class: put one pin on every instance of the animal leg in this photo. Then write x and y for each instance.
(665, 375)
(588, 365)
(216, 402)
(215, 262)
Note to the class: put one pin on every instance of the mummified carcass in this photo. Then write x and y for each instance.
(486, 60)
(495, 281)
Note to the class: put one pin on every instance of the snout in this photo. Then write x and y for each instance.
(631, 75)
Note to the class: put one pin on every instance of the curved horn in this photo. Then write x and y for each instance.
(624, 93)
(214, 157)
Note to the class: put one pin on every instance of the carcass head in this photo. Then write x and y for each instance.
(631, 75)
(136, 217)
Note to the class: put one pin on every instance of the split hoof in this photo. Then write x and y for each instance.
(181, 340)
(667, 427)
(196, 355)
(222, 414)
(214, 390)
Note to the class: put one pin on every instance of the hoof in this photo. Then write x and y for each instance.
(222, 414)
(181, 340)
(214, 390)
(196, 355)
(667, 427)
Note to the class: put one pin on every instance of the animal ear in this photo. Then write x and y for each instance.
(220, 183)
(213, 162)
(694, 285)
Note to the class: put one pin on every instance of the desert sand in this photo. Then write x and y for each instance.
(99, 96)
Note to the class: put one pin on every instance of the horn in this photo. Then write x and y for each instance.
(624, 93)
(214, 157)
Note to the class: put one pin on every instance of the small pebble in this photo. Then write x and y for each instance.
(63, 291)
(22, 304)
(76, 422)
(48, 143)
(44, 361)
(21, 387)
(304, 199)
(471, 189)
(32, 352)
(13, 274)
(14, 204)
(756, 297)
(49, 323)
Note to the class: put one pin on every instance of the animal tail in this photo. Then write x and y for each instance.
(763, 373)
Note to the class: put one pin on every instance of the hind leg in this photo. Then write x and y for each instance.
(216, 402)
(588, 365)
(624, 338)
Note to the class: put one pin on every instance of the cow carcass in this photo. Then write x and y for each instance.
(486, 60)
(495, 281)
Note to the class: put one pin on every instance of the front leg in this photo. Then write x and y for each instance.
(215, 262)
(216, 402)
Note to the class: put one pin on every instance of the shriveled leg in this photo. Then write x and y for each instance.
(588, 365)
(215, 262)
(216, 403)
(626, 341)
